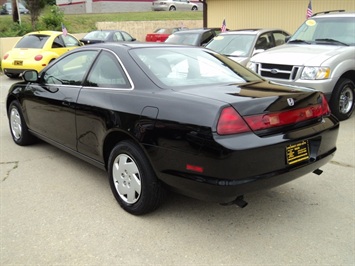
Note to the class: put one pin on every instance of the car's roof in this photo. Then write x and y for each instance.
(334, 13)
(105, 30)
(193, 31)
(45, 32)
(250, 31)
(115, 46)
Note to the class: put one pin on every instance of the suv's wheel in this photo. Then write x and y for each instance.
(132, 179)
(18, 127)
(342, 100)
(194, 8)
(172, 8)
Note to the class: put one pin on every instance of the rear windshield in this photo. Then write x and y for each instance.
(32, 41)
(183, 66)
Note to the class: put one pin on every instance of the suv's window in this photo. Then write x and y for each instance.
(338, 29)
(279, 37)
(32, 41)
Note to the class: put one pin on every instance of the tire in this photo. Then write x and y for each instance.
(194, 8)
(342, 100)
(132, 179)
(172, 8)
(18, 128)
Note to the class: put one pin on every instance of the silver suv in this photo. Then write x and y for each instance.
(320, 55)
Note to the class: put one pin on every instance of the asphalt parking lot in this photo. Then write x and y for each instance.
(56, 209)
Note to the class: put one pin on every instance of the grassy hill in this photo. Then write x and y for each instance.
(86, 22)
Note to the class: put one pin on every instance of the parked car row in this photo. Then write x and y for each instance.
(7, 9)
(36, 50)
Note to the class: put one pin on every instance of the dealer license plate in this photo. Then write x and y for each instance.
(18, 63)
(297, 152)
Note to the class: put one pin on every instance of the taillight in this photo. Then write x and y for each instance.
(270, 120)
(230, 122)
(325, 106)
(6, 56)
(38, 57)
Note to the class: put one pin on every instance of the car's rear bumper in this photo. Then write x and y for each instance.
(228, 167)
(226, 191)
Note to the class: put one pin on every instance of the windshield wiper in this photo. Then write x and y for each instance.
(299, 41)
(332, 41)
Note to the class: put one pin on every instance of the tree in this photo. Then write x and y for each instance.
(35, 6)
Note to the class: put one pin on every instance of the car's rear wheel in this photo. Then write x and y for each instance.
(172, 8)
(342, 101)
(18, 128)
(132, 179)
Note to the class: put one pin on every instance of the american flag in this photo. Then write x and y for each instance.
(309, 10)
(64, 30)
(224, 26)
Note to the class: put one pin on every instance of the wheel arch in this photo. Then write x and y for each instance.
(9, 100)
(112, 139)
(349, 75)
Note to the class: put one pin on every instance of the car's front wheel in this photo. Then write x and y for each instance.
(132, 179)
(194, 8)
(342, 101)
(172, 8)
(18, 128)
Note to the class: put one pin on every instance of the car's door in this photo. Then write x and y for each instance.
(107, 83)
(51, 103)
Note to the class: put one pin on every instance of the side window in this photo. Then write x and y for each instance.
(279, 37)
(70, 70)
(207, 36)
(107, 73)
(263, 42)
(58, 43)
(126, 36)
(118, 37)
(70, 41)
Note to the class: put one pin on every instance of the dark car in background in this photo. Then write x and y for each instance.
(7, 9)
(100, 36)
(197, 37)
(162, 117)
(241, 45)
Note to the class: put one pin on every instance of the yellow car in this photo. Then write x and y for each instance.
(36, 50)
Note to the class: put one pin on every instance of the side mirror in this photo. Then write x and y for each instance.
(30, 75)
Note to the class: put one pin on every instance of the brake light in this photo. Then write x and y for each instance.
(38, 57)
(230, 122)
(6, 56)
(265, 121)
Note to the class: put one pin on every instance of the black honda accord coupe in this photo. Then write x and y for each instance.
(162, 117)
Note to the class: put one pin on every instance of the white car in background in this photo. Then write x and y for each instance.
(174, 5)
(241, 45)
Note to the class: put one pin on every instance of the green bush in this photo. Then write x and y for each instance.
(52, 19)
